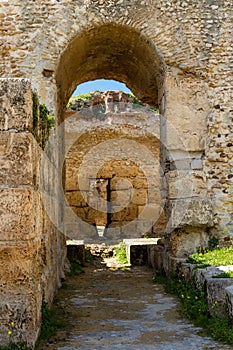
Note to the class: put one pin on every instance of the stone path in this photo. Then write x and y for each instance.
(110, 310)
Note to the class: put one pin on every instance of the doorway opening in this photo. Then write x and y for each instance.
(121, 53)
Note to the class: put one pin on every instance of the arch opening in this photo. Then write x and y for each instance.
(124, 54)
(112, 52)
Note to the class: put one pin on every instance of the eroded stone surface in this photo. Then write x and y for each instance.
(122, 309)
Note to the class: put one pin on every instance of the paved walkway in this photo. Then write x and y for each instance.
(110, 310)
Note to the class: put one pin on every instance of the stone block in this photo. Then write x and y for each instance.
(80, 230)
(191, 212)
(184, 243)
(139, 197)
(186, 184)
(149, 212)
(197, 164)
(119, 183)
(75, 198)
(229, 297)
(139, 182)
(15, 104)
(18, 214)
(17, 159)
(151, 171)
(121, 198)
(126, 214)
(124, 170)
(217, 296)
(72, 179)
(154, 196)
(19, 269)
(25, 311)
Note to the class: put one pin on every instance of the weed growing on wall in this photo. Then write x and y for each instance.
(194, 307)
(12, 345)
(42, 121)
(50, 323)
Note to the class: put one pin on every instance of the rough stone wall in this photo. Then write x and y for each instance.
(174, 54)
(191, 40)
(29, 269)
(122, 148)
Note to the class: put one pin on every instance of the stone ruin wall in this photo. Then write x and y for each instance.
(32, 251)
(193, 41)
(131, 169)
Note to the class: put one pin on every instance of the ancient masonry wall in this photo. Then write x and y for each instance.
(122, 151)
(30, 246)
(176, 54)
(194, 41)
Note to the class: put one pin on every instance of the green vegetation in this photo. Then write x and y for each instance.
(216, 257)
(228, 274)
(47, 119)
(194, 306)
(75, 266)
(120, 252)
(88, 255)
(87, 96)
(12, 346)
(81, 98)
(50, 323)
(42, 121)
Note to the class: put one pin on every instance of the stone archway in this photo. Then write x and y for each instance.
(118, 52)
(112, 51)
(65, 43)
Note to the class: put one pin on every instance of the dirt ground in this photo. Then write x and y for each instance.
(106, 308)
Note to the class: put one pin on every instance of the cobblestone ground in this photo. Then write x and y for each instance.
(113, 309)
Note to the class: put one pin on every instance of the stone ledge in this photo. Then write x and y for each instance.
(219, 290)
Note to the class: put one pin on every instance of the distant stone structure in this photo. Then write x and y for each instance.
(175, 56)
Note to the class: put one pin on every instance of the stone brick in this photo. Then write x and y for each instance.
(15, 105)
(76, 199)
(122, 198)
(127, 214)
(121, 183)
(139, 197)
(186, 184)
(18, 214)
(17, 151)
(185, 242)
(192, 212)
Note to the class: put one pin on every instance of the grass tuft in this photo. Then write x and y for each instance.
(121, 256)
(216, 257)
(194, 307)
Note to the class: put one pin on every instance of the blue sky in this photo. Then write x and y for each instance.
(102, 85)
